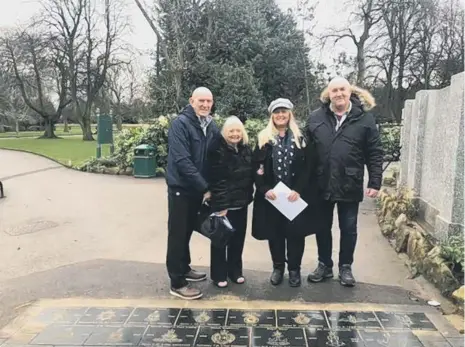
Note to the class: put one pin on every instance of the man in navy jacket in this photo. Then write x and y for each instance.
(189, 136)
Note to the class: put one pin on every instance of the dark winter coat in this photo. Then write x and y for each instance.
(230, 176)
(187, 152)
(344, 153)
(265, 215)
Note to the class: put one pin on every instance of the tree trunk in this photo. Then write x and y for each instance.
(86, 130)
(2, 128)
(119, 122)
(65, 124)
(17, 127)
(48, 133)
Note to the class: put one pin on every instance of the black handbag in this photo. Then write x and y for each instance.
(218, 229)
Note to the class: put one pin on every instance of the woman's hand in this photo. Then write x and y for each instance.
(270, 194)
(222, 213)
(293, 196)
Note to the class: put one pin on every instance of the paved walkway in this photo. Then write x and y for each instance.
(67, 234)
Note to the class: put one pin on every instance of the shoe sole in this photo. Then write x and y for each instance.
(186, 297)
(345, 284)
(294, 285)
(320, 280)
(196, 279)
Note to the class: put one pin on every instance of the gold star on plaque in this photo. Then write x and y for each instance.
(153, 317)
(301, 319)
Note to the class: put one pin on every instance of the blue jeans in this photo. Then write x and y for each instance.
(348, 214)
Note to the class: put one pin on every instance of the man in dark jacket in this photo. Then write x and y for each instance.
(347, 139)
(190, 135)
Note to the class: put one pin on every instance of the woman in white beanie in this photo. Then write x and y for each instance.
(283, 154)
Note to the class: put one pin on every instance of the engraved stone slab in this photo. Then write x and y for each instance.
(96, 315)
(172, 337)
(405, 321)
(119, 336)
(194, 317)
(252, 318)
(60, 315)
(267, 337)
(63, 335)
(333, 338)
(352, 320)
(228, 337)
(295, 319)
(390, 339)
(151, 316)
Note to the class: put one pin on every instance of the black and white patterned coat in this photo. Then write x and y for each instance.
(300, 168)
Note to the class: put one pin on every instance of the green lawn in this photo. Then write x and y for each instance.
(68, 150)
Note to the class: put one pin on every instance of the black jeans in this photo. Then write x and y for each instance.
(348, 214)
(227, 261)
(182, 215)
(295, 245)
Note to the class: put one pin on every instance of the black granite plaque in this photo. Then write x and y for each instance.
(63, 335)
(333, 338)
(196, 317)
(105, 316)
(405, 321)
(251, 318)
(312, 319)
(352, 320)
(60, 315)
(228, 337)
(390, 339)
(153, 316)
(173, 337)
(267, 337)
(119, 336)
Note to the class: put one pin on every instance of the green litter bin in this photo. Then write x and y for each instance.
(145, 163)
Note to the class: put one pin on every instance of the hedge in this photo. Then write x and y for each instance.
(156, 134)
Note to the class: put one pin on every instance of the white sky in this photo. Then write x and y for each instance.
(142, 37)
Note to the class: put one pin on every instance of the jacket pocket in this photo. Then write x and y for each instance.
(353, 180)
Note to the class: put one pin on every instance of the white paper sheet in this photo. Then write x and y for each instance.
(288, 208)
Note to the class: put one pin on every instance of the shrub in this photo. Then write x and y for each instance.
(390, 139)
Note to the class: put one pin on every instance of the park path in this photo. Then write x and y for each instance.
(68, 234)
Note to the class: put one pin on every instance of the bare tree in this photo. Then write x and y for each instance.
(89, 54)
(368, 14)
(36, 65)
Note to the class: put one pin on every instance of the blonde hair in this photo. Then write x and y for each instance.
(270, 132)
(231, 121)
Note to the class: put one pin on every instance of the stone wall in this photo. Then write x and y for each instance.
(432, 160)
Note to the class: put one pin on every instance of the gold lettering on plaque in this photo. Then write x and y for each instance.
(223, 337)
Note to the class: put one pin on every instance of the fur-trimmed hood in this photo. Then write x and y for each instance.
(367, 101)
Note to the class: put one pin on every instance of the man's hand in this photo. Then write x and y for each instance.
(207, 196)
(371, 193)
(293, 196)
(270, 195)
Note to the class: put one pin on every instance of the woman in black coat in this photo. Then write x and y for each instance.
(283, 154)
(231, 185)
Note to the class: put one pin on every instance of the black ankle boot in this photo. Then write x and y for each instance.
(277, 276)
(294, 278)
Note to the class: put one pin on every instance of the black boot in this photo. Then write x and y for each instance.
(277, 275)
(294, 278)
